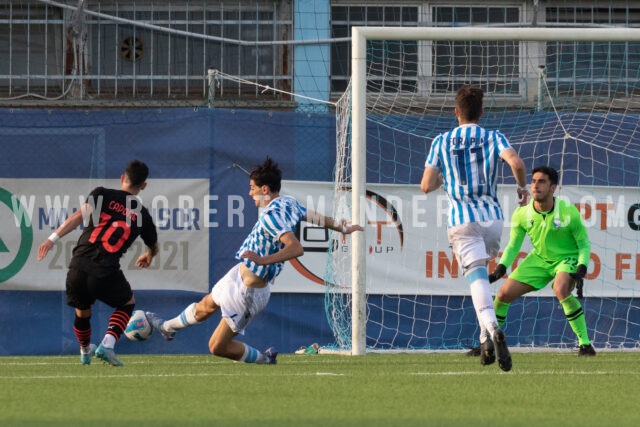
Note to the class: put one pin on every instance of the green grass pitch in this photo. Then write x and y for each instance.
(432, 389)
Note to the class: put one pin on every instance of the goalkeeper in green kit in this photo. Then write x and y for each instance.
(561, 252)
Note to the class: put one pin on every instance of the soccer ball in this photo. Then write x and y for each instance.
(138, 328)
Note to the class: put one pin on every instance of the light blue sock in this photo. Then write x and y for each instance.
(250, 355)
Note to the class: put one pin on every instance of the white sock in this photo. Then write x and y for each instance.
(184, 319)
(109, 341)
(483, 304)
(484, 333)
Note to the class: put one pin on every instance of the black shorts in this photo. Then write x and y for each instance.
(84, 289)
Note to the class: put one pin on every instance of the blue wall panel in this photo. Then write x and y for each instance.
(221, 145)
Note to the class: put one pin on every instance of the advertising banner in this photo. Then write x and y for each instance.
(408, 251)
(31, 209)
(407, 246)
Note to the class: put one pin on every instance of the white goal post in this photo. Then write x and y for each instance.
(360, 37)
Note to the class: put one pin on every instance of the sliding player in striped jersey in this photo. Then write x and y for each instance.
(244, 291)
(466, 160)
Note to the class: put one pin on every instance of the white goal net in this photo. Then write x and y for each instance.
(567, 98)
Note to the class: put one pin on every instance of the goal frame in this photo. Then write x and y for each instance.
(359, 38)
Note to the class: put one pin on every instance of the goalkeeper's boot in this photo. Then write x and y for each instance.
(86, 353)
(474, 351)
(270, 355)
(586, 350)
(502, 351)
(487, 352)
(157, 323)
(108, 356)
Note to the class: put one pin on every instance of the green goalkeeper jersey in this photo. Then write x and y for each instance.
(555, 235)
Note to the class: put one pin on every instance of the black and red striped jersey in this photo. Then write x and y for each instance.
(118, 218)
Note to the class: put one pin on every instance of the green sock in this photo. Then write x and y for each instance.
(501, 309)
(573, 310)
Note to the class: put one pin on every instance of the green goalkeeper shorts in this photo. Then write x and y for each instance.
(537, 273)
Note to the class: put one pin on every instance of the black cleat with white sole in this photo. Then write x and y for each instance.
(502, 351)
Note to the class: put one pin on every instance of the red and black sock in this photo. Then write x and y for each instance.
(82, 329)
(118, 320)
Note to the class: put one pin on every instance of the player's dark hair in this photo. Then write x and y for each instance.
(549, 171)
(268, 174)
(137, 172)
(469, 103)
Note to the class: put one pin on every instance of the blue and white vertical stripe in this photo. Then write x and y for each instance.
(282, 214)
(468, 157)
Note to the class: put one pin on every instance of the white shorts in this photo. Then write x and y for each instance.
(475, 241)
(239, 303)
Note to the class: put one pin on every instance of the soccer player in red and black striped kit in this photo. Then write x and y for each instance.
(113, 219)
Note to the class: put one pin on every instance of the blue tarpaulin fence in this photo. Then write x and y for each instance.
(220, 146)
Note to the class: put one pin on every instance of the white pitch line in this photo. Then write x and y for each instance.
(204, 374)
(460, 373)
(327, 374)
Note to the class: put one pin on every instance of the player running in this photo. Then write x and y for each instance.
(116, 219)
(466, 160)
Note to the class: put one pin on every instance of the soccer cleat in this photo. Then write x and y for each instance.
(502, 351)
(271, 355)
(487, 353)
(85, 358)
(474, 351)
(312, 349)
(108, 356)
(157, 322)
(586, 350)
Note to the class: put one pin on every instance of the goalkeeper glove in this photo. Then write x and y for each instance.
(578, 276)
(497, 273)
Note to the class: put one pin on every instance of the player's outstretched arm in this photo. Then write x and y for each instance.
(146, 258)
(69, 225)
(317, 218)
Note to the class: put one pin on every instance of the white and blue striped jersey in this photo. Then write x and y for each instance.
(282, 214)
(468, 157)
